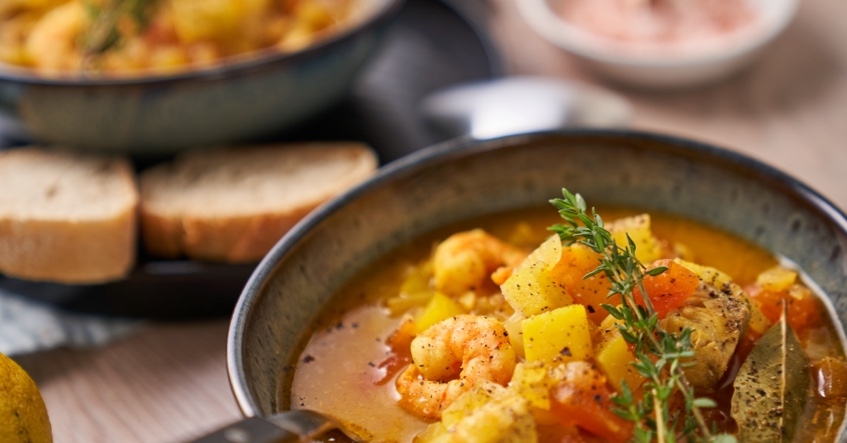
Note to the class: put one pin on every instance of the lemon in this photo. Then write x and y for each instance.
(23, 416)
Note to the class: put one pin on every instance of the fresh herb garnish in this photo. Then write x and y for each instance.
(107, 25)
(660, 355)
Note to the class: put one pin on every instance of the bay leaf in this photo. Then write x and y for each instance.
(771, 387)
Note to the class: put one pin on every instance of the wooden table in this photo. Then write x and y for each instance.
(169, 383)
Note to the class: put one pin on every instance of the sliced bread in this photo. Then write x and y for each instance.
(66, 217)
(233, 204)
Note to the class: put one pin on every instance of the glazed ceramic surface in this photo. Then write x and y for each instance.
(244, 99)
(463, 179)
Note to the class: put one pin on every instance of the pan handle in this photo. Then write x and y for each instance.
(286, 427)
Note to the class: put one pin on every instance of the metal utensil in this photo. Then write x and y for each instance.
(513, 105)
(289, 426)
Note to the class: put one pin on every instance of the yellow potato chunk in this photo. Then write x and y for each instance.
(513, 328)
(213, 19)
(614, 358)
(776, 279)
(440, 307)
(531, 290)
(532, 383)
(563, 334)
(647, 247)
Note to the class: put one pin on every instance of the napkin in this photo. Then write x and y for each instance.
(28, 325)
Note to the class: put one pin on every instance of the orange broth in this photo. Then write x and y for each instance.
(337, 371)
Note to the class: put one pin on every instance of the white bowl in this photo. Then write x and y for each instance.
(662, 66)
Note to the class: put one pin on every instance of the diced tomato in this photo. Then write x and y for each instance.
(668, 290)
(576, 262)
(802, 312)
(582, 399)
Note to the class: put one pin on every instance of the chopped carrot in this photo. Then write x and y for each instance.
(802, 313)
(582, 399)
(668, 290)
(578, 260)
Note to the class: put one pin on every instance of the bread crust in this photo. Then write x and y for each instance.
(247, 234)
(45, 244)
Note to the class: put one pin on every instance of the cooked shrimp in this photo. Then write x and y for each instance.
(52, 42)
(450, 358)
(465, 261)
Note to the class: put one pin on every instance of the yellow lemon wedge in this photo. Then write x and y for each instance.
(23, 415)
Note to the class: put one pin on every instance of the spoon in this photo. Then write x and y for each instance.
(512, 105)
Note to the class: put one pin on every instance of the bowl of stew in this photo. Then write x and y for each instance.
(448, 298)
(160, 76)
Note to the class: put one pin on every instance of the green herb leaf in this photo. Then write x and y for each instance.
(103, 32)
(655, 348)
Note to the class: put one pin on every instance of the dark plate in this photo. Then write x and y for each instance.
(431, 45)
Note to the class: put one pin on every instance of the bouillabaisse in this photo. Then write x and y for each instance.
(489, 330)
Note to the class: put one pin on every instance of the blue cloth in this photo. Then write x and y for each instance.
(28, 326)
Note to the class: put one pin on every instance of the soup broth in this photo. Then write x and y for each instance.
(349, 370)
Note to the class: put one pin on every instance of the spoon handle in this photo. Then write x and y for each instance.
(289, 426)
(250, 430)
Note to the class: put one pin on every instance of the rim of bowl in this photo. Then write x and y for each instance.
(558, 31)
(464, 147)
(229, 66)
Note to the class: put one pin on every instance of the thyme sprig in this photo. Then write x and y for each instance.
(660, 355)
(104, 31)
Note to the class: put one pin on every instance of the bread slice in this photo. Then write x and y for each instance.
(233, 204)
(66, 217)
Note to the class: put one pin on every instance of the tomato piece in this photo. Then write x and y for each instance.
(582, 399)
(668, 290)
(576, 262)
(802, 313)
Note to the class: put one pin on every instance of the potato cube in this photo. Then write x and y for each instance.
(513, 328)
(531, 382)
(614, 358)
(776, 279)
(440, 307)
(562, 334)
(213, 19)
(531, 290)
(647, 247)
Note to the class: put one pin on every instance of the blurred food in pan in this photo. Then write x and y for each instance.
(124, 36)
